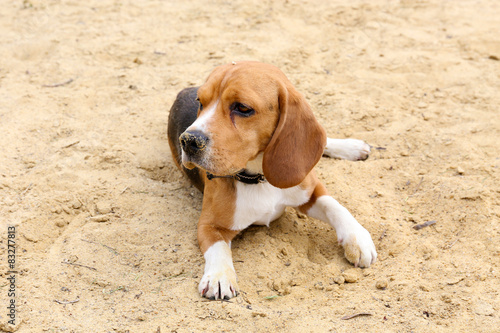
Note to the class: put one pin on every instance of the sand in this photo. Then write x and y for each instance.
(105, 225)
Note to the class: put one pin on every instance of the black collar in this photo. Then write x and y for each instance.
(243, 177)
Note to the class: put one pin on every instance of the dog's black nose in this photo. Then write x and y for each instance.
(193, 142)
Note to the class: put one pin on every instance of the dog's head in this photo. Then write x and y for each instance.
(248, 109)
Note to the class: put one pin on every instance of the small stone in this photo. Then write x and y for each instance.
(460, 171)
(101, 283)
(103, 207)
(76, 204)
(100, 218)
(72, 258)
(177, 271)
(351, 275)
(61, 223)
(56, 210)
(31, 237)
(381, 284)
(339, 279)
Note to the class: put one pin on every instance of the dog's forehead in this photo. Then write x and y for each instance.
(244, 77)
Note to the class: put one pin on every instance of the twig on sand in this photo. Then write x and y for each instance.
(423, 225)
(26, 189)
(356, 315)
(383, 235)
(67, 302)
(55, 85)
(72, 263)
(71, 144)
(106, 246)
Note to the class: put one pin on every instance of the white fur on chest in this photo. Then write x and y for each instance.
(263, 203)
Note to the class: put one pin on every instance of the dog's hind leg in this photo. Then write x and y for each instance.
(347, 149)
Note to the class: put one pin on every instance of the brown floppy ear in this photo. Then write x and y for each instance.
(297, 143)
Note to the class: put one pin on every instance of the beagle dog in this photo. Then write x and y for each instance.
(249, 141)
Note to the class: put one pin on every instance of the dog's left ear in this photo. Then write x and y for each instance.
(297, 143)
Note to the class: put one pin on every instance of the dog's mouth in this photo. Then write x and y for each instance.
(201, 161)
(190, 162)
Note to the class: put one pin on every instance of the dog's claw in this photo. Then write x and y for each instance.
(204, 291)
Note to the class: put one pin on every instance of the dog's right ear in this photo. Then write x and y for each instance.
(297, 143)
(182, 114)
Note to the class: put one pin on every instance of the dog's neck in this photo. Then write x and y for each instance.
(252, 174)
(255, 166)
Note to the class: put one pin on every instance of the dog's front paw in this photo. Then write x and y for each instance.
(358, 246)
(219, 280)
(219, 285)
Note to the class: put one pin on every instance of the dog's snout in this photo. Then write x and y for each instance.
(193, 142)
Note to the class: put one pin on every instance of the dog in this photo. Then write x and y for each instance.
(249, 141)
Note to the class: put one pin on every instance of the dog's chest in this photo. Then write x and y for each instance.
(263, 203)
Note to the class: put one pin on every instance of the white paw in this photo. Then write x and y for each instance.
(347, 149)
(358, 245)
(219, 280)
(219, 285)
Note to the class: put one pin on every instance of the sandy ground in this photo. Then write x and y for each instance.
(106, 226)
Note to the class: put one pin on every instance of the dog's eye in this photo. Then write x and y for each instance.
(201, 105)
(242, 110)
